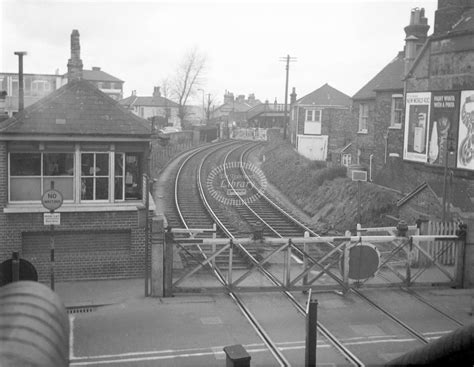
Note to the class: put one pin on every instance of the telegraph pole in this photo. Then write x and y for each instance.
(286, 59)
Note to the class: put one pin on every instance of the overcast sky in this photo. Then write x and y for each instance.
(343, 43)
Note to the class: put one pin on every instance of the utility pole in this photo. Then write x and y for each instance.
(286, 59)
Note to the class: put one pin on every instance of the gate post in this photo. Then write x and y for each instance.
(157, 257)
(305, 259)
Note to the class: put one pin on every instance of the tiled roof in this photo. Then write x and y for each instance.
(389, 78)
(98, 76)
(77, 108)
(155, 101)
(325, 96)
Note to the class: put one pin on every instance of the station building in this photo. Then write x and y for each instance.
(96, 153)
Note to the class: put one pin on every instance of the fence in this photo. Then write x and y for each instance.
(250, 134)
(164, 150)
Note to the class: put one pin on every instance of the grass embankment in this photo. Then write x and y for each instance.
(325, 194)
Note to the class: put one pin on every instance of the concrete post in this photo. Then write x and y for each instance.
(196, 137)
(157, 257)
(168, 263)
(468, 264)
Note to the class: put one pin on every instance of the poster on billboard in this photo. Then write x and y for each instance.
(443, 128)
(417, 118)
(466, 131)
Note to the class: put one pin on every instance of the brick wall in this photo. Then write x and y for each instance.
(365, 143)
(108, 261)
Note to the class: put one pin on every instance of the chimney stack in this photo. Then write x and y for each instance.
(416, 35)
(293, 96)
(74, 65)
(21, 90)
(156, 92)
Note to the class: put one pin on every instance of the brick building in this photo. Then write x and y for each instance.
(439, 110)
(95, 152)
(378, 106)
(320, 125)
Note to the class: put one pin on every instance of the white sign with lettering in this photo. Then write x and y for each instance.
(52, 219)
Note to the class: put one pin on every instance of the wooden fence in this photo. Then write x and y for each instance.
(444, 252)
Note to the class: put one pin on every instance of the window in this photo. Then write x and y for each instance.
(31, 175)
(363, 117)
(397, 111)
(99, 176)
(94, 176)
(106, 85)
(313, 116)
(312, 124)
(39, 87)
(346, 159)
(127, 176)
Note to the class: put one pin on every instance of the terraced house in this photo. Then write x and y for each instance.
(95, 152)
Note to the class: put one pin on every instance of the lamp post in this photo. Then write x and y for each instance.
(449, 149)
(203, 108)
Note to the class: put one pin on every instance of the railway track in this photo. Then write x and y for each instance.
(191, 193)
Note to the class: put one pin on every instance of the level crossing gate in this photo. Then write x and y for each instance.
(197, 261)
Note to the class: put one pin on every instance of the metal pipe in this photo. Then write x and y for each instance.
(21, 90)
(454, 349)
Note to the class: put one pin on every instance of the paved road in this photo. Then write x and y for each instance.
(192, 330)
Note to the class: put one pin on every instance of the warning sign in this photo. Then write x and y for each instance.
(52, 199)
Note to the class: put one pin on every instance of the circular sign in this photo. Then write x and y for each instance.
(364, 261)
(52, 199)
(26, 271)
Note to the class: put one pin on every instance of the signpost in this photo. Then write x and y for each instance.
(52, 200)
(359, 176)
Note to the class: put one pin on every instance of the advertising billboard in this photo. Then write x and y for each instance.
(443, 128)
(417, 121)
(466, 131)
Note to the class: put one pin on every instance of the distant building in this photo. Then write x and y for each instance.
(234, 110)
(320, 125)
(152, 106)
(37, 86)
(267, 115)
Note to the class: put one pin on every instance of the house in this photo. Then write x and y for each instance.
(37, 86)
(435, 138)
(320, 125)
(234, 110)
(94, 152)
(378, 106)
(153, 106)
(105, 82)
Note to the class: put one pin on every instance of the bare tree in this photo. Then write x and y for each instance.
(187, 80)
(165, 87)
(210, 108)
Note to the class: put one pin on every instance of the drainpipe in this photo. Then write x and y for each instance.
(21, 91)
(370, 167)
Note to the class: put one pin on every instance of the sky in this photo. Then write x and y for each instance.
(344, 43)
